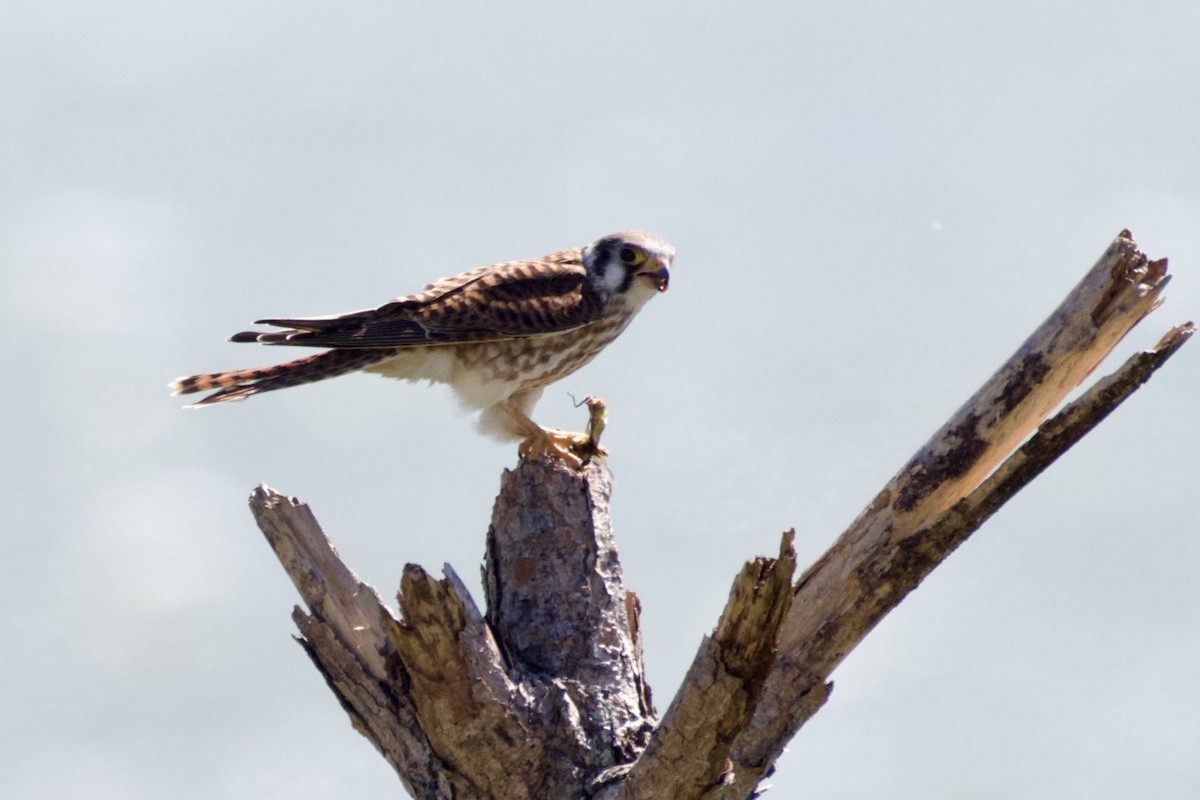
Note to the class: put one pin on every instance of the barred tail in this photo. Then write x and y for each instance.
(240, 384)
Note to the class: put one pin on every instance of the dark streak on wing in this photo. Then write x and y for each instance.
(515, 299)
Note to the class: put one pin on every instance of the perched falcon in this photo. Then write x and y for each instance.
(498, 335)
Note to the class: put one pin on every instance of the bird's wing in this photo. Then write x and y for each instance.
(517, 299)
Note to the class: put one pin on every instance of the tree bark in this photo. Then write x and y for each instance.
(544, 695)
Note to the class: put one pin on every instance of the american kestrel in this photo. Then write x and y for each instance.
(498, 335)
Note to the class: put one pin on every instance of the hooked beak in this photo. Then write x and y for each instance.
(660, 275)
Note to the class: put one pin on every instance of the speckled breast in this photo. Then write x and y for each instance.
(540, 360)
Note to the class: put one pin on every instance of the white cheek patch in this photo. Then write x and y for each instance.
(613, 277)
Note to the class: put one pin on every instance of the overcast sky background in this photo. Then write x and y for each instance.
(873, 205)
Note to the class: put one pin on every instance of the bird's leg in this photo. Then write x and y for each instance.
(539, 442)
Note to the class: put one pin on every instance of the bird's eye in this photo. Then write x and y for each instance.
(631, 255)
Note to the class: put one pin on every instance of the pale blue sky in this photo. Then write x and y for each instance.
(873, 205)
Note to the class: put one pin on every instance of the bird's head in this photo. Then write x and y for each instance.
(629, 263)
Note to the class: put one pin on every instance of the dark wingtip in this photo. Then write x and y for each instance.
(227, 395)
(245, 336)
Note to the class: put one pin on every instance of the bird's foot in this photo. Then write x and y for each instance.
(576, 449)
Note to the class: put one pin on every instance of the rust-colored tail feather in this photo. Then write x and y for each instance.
(240, 384)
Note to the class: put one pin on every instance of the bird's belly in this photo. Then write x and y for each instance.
(483, 374)
(490, 372)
